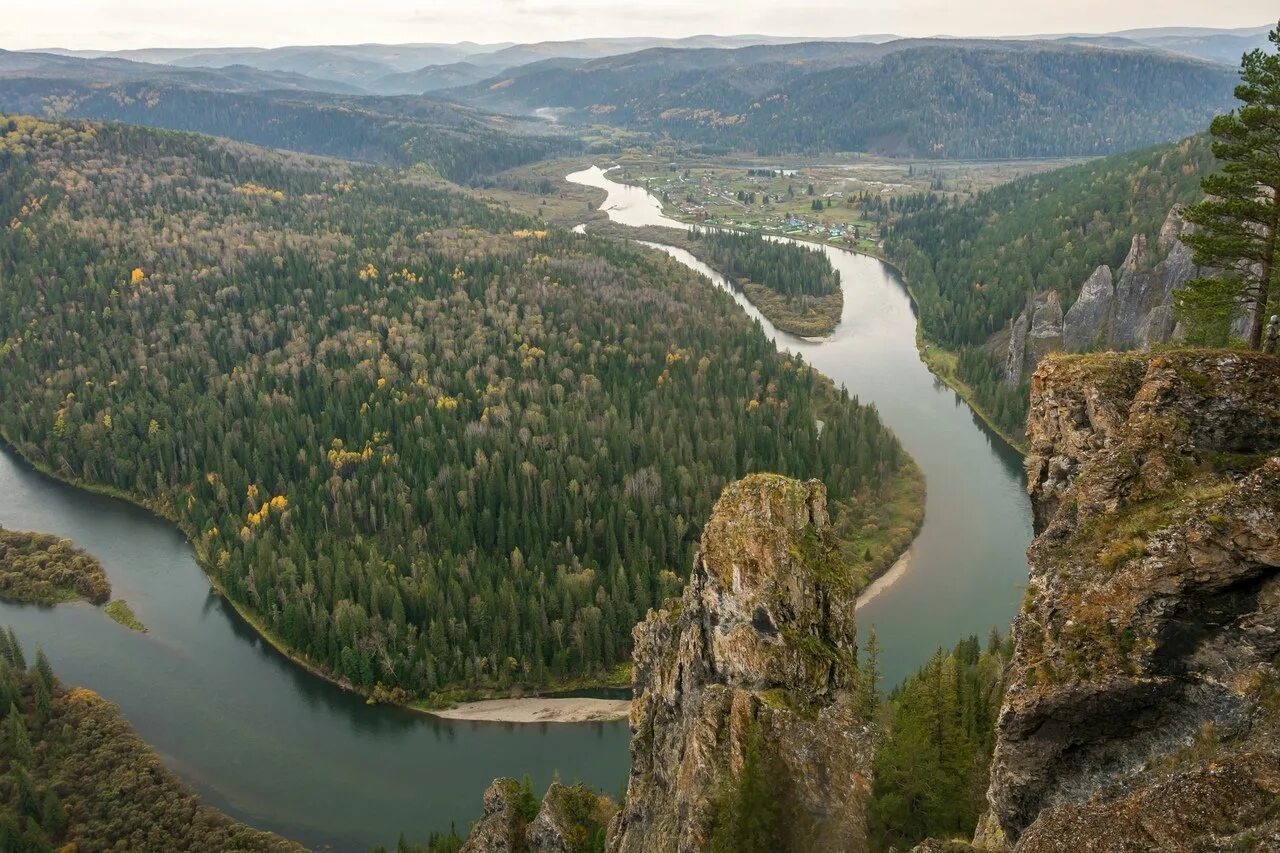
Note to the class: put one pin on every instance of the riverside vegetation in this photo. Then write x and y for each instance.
(37, 567)
(74, 776)
(794, 286)
(420, 442)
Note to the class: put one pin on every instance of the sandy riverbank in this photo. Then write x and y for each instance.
(886, 580)
(539, 710)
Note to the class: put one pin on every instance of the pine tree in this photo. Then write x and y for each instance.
(750, 818)
(871, 677)
(1239, 224)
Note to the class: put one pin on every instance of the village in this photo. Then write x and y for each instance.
(844, 204)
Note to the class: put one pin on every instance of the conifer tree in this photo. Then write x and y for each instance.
(750, 819)
(1239, 222)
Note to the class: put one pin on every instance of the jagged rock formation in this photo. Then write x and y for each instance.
(1037, 331)
(763, 637)
(1130, 308)
(1144, 700)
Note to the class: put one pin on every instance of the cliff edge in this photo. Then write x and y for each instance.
(1144, 700)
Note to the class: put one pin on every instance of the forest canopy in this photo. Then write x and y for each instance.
(75, 776)
(37, 567)
(423, 442)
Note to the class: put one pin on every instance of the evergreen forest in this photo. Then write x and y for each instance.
(421, 442)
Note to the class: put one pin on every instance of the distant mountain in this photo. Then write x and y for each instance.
(417, 68)
(395, 69)
(431, 78)
(459, 143)
(916, 97)
(232, 78)
(1215, 47)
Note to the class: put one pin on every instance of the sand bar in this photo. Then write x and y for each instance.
(537, 709)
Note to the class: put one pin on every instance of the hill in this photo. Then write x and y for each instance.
(459, 143)
(920, 98)
(419, 442)
(107, 71)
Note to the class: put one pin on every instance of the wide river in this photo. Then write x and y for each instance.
(279, 748)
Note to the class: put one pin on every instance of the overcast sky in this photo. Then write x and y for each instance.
(115, 24)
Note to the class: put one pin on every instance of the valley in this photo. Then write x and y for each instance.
(212, 662)
(755, 443)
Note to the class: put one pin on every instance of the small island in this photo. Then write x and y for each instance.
(36, 568)
(120, 611)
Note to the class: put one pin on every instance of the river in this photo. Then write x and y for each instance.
(267, 742)
(965, 571)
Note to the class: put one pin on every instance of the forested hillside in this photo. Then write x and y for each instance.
(918, 98)
(453, 141)
(75, 776)
(972, 265)
(421, 442)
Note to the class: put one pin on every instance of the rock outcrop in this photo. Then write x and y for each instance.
(563, 822)
(1036, 332)
(762, 641)
(1143, 711)
(1125, 309)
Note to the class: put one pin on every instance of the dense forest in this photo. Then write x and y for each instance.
(932, 765)
(37, 567)
(75, 776)
(921, 98)
(397, 131)
(418, 440)
(785, 268)
(971, 265)
(794, 286)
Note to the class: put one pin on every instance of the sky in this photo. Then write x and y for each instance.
(121, 24)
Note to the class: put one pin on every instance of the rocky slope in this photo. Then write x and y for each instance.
(763, 637)
(1125, 309)
(1144, 700)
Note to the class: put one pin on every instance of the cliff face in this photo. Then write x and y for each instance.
(1129, 308)
(1144, 701)
(763, 639)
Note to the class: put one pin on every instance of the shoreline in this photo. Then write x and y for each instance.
(537, 709)
(885, 580)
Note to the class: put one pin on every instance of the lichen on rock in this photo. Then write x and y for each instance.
(1144, 702)
(762, 640)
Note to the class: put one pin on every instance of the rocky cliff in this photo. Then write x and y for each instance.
(1144, 700)
(762, 641)
(1125, 309)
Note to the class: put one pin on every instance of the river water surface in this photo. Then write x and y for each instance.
(279, 748)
